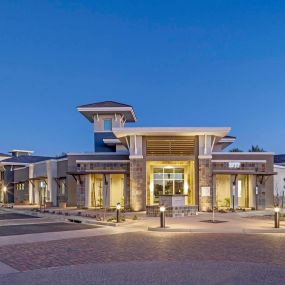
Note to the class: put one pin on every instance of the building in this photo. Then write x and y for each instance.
(279, 179)
(139, 166)
(14, 176)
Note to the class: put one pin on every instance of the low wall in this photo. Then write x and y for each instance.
(153, 211)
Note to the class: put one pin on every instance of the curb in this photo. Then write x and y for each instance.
(70, 218)
(193, 231)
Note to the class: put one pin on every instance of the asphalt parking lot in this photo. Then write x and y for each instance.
(15, 216)
(42, 228)
(13, 223)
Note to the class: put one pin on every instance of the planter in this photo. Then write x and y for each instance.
(62, 205)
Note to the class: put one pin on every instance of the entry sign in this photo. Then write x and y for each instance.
(234, 164)
(206, 191)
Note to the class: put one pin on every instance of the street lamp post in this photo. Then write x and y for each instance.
(276, 217)
(118, 208)
(162, 216)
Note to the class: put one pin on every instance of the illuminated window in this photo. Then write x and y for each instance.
(108, 125)
(20, 186)
(168, 181)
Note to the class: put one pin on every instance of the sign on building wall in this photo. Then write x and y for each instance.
(234, 164)
(206, 191)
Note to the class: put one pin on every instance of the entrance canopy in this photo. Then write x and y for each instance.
(171, 131)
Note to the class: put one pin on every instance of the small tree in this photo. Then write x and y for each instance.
(236, 149)
(256, 148)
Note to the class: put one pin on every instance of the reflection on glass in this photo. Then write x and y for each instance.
(179, 187)
(168, 181)
(157, 190)
(168, 189)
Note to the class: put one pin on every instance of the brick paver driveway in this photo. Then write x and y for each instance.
(145, 246)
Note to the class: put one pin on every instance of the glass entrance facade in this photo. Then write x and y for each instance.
(167, 181)
(170, 178)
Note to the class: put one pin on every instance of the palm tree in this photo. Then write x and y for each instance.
(236, 149)
(256, 148)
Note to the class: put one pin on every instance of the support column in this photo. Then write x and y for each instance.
(52, 185)
(234, 191)
(137, 174)
(138, 184)
(196, 169)
(87, 191)
(252, 192)
(106, 187)
(205, 185)
(80, 191)
(31, 186)
(126, 191)
(205, 173)
(214, 192)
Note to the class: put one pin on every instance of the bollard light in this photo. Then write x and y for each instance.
(118, 208)
(276, 217)
(162, 216)
(162, 208)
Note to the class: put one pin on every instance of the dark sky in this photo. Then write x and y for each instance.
(179, 63)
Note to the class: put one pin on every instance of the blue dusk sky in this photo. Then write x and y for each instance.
(179, 63)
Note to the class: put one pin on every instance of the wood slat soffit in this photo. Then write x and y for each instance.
(183, 146)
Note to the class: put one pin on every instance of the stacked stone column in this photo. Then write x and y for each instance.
(137, 184)
(205, 180)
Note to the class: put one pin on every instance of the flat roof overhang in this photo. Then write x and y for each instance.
(171, 131)
(90, 112)
(38, 178)
(103, 171)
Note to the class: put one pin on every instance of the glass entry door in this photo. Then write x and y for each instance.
(168, 181)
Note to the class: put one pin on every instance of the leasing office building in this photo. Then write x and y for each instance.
(136, 166)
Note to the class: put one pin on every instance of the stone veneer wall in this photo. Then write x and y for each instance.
(205, 180)
(127, 191)
(138, 184)
(80, 193)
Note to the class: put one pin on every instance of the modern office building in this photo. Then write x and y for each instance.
(139, 166)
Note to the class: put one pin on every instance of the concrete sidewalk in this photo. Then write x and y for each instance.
(237, 222)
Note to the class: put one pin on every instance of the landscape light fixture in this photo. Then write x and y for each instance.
(118, 208)
(276, 217)
(162, 216)
(4, 194)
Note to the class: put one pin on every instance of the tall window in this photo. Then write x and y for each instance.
(108, 125)
(168, 181)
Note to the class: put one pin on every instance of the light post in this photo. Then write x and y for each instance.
(276, 217)
(4, 194)
(118, 208)
(162, 216)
